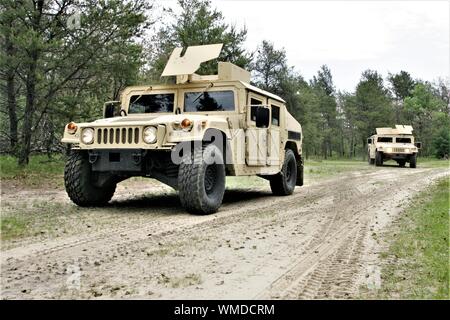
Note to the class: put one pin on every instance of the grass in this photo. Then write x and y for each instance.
(13, 227)
(41, 170)
(39, 217)
(417, 260)
(314, 169)
(432, 163)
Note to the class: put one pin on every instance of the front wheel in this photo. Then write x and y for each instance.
(79, 181)
(201, 180)
(413, 161)
(283, 183)
(379, 159)
(369, 159)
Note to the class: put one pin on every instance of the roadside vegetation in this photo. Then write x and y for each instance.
(416, 263)
(41, 171)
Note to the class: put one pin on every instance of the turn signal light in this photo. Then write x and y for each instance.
(72, 128)
(186, 124)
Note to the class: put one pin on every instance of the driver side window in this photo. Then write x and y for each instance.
(254, 102)
(275, 115)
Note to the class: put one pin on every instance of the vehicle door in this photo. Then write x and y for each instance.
(255, 137)
(274, 134)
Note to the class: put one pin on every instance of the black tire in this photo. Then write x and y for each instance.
(79, 182)
(300, 171)
(283, 183)
(369, 159)
(379, 159)
(401, 163)
(413, 161)
(201, 185)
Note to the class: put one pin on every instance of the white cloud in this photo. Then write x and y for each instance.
(349, 36)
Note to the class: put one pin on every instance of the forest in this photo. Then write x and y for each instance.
(60, 60)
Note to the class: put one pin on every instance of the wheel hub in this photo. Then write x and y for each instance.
(288, 173)
(210, 178)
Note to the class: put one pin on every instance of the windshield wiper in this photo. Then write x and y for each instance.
(140, 96)
(203, 92)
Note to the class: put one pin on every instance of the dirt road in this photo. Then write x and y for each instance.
(318, 243)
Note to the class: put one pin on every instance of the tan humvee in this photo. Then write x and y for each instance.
(188, 135)
(393, 144)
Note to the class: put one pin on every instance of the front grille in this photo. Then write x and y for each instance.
(399, 150)
(119, 136)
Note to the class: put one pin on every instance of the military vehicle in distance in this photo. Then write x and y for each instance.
(393, 144)
(188, 135)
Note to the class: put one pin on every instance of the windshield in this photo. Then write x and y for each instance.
(384, 139)
(151, 103)
(209, 101)
(403, 140)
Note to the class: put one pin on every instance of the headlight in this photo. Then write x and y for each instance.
(388, 149)
(406, 150)
(149, 135)
(87, 136)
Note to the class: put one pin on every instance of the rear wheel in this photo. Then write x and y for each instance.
(80, 182)
(201, 180)
(379, 159)
(413, 161)
(300, 170)
(369, 159)
(401, 163)
(283, 183)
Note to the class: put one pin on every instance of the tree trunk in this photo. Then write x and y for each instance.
(330, 148)
(11, 92)
(364, 149)
(12, 113)
(51, 137)
(29, 112)
(350, 154)
(30, 86)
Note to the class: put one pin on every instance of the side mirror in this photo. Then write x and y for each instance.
(418, 145)
(111, 109)
(369, 141)
(262, 117)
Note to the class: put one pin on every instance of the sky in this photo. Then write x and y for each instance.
(349, 36)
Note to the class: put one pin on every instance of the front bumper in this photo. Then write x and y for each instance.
(398, 156)
(117, 160)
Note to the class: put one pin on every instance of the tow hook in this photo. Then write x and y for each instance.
(137, 157)
(93, 157)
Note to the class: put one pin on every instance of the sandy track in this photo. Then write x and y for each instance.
(317, 243)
